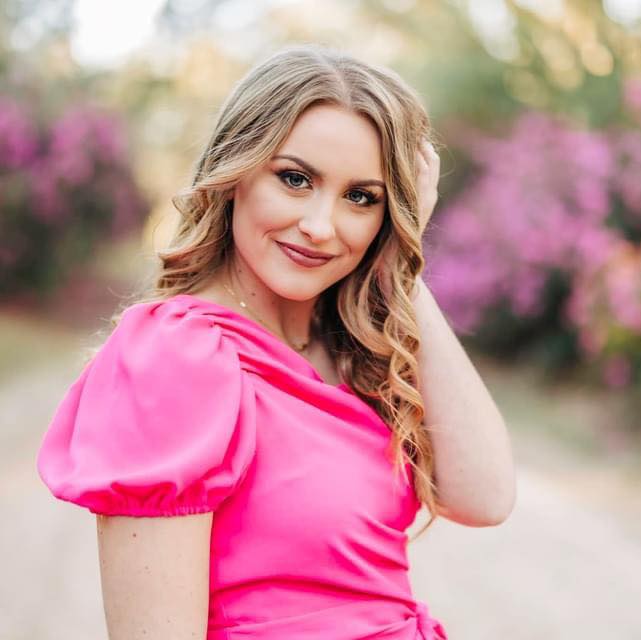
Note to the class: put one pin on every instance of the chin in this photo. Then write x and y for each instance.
(298, 293)
(298, 296)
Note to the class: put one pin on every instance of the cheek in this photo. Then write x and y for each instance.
(360, 233)
(263, 207)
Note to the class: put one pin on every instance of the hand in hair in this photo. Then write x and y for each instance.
(428, 173)
(428, 166)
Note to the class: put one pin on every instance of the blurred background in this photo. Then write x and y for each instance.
(533, 253)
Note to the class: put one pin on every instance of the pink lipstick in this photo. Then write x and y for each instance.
(302, 259)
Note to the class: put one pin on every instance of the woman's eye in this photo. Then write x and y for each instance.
(366, 200)
(286, 176)
(369, 198)
(293, 179)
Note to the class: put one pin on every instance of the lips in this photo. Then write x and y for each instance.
(302, 259)
(305, 251)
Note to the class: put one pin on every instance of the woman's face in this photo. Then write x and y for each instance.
(328, 196)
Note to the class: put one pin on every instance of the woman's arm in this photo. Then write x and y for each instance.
(474, 470)
(473, 466)
(155, 576)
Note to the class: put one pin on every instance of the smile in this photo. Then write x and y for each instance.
(300, 259)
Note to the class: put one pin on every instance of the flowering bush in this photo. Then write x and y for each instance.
(64, 186)
(538, 234)
(605, 306)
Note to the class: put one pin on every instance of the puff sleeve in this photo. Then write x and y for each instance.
(159, 423)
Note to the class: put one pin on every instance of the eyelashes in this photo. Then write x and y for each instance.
(371, 199)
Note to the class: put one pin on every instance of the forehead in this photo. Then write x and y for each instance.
(337, 141)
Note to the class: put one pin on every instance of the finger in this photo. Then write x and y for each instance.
(434, 162)
(423, 148)
(429, 156)
(422, 157)
(430, 152)
(434, 157)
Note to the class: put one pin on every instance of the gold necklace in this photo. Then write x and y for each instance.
(244, 305)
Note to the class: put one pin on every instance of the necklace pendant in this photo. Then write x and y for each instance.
(297, 347)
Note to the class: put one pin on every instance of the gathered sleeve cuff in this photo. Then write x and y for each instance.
(160, 422)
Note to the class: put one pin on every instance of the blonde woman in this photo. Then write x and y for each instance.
(258, 432)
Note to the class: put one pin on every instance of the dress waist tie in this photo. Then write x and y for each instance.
(428, 627)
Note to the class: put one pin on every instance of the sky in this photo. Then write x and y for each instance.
(133, 22)
(105, 34)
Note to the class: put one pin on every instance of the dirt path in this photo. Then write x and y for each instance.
(557, 569)
(565, 565)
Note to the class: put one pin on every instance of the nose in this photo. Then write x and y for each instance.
(317, 221)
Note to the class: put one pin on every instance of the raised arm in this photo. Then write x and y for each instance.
(155, 576)
(474, 467)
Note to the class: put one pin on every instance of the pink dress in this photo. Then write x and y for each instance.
(190, 407)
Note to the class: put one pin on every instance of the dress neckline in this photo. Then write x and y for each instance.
(256, 325)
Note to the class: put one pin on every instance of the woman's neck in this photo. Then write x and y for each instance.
(290, 322)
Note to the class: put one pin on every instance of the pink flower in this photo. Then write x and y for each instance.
(18, 136)
(617, 372)
(537, 203)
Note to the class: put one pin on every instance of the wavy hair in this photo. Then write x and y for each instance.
(371, 334)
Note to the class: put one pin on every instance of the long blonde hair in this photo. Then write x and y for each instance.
(373, 338)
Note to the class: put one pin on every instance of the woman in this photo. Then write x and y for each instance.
(271, 387)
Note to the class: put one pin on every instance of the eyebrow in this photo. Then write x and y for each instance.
(317, 173)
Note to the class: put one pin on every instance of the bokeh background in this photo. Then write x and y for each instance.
(533, 253)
